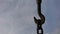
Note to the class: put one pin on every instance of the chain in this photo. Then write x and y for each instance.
(41, 21)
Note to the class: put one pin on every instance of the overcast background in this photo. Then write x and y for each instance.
(16, 16)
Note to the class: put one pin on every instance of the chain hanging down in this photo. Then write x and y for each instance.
(41, 21)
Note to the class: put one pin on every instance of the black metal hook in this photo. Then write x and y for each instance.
(41, 21)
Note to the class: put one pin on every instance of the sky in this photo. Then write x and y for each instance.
(16, 16)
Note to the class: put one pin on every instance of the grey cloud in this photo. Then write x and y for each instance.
(17, 17)
(56, 31)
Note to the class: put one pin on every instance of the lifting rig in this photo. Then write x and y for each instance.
(40, 21)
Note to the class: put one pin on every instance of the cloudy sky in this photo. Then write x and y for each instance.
(16, 16)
